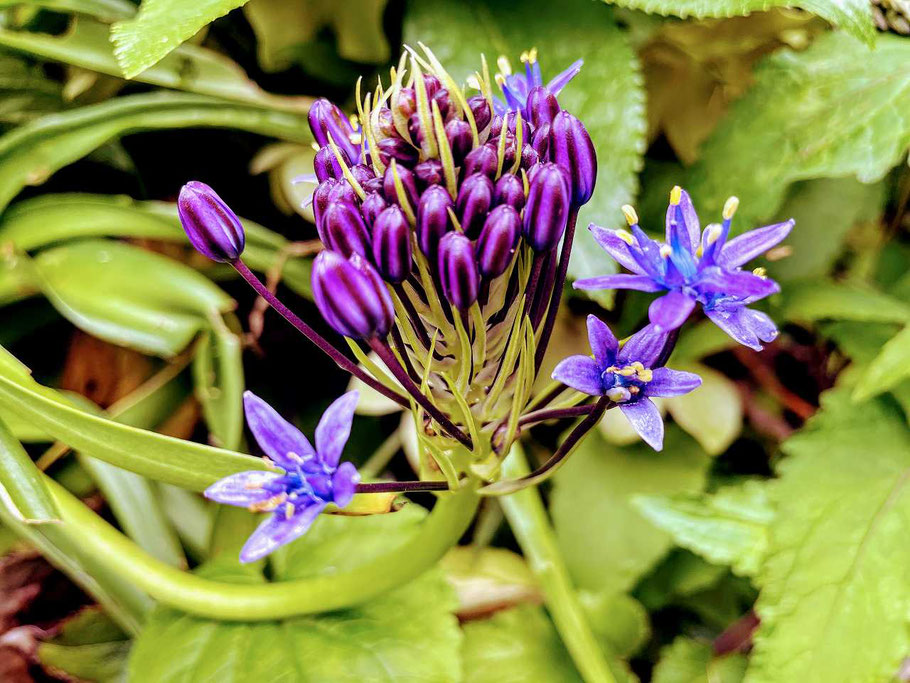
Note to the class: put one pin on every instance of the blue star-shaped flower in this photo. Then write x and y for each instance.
(312, 477)
(516, 86)
(627, 376)
(695, 267)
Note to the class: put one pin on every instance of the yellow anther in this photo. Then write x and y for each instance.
(630, 214)
(675, 195)
(529, 56)
(268, 505)
(712, 233)
(473, 82)
(730, 207)
(288, 510)
(626, 372)
(666, 250)
(504, 67)
(314, 146)
(355, 138)
(354, 120)
(500, 80)
(760, 272)
(645, 375)
(637, 366)
(252, 486)
(633, 390)
(625, 236)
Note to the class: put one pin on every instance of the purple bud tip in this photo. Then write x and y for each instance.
(540, 141)
(397, 149)
(212, 228)
(474, 200)
(351, 296)
(458, 270)
(460, 138)
(428, 173)
(497, 241)
(547, 207)
(372, 206)
(542, 106)
(571, 148)
(408, 182)
(483, 160)
(327, 119)
(510, 190)
(480, 108)
(344, 230)
(433, 220)
(392, 245)
(326, 164)
(406, 102)
(362, 173)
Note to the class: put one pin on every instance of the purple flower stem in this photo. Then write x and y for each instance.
(340, 359)
(560, 282)
(544, 292)
(536, 416)
(549, 397)
(401, 486)
(385, 353)
(533, 280)
(406, 359)
(413, 316)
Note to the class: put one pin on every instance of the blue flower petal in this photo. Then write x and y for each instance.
(279, 529)
(641, 283)
(617, 248)
(645, 346)
(746, 326)
(245, 488)
(580, 372)
(740, 284)
(334, 428)
(671, 310)
(344, 482)
(746, 247)
(666, 382)
(275, 435)
(602, 340)
(562, 79)
(682, 221)
(645, 419)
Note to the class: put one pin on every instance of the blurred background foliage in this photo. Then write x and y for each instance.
(768, 540)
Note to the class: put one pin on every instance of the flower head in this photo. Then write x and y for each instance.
(212, 228)
(517, 86)
(695, 267)
(311, 477)
(628, 376)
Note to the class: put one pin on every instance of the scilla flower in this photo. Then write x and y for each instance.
(695, 267)
(312, 477)
(517, 86)
(628, 376)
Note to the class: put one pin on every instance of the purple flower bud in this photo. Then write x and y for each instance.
(344, 231)
(512, 126)
(397, 149)
(351, 296)
(474, 200)
(372, 185)
(497, 241)
(540, 141)
(433, 219)
(508, 149)
(321, 198)
(407, 182)
(428, 173)
(509, 190)
(343, 192)
(541, 107)
(406, 101)
(392, 245)
(444, 102)
(327, 119)
(387, 123)
(547, 207)
(326, 164)
(460, 139)
(458, 270)
(213, 229)
(415, 130)
(431, 84)
(372, 206)
(483, 160)
(480, 108)
(362, 173)
(571, 148)
(529, 157)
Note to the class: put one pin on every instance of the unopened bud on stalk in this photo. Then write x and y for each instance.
(541, 107)
(326, 120)
(428, 173)
(480, 108)
(483, 160)
(326, 164)
(509, 190)
(397, 149)
(344, 231)
(408, 183)
(212, 228)
(458, 133)
(433, 220)
(458, 270)
(498, 239)
(474, 200)
(547, 207)
(571, 148)
(351, 296)
(392, 245)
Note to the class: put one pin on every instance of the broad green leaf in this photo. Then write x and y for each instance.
(33, 152)
(409, 634)
(607, 95)
(713, 413)
(606, 543)
(835, 598)
(516, 646)
(161, 26)
(825, 210)
(837, 109)
(888, 369)
(679, 576)
(689, 661)
(728, 527)
(854, 16)
(218, 375)
(810, 301)
(618, 619)
(129, 296)
(487, 579)
(21, 489)
(190, 68)
(701, 339)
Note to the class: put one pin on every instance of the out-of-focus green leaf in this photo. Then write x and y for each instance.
(21, 489)
(161, 26)
(33, 152)
(409, 634)
(835, 595)
(854, 16)
(89, 646)
(218, 374)
(129, 296)
(618, 619)
(837, 109)
(282, 28)
(713, 413)
(728, 527)
(190, 67)
(810, 301)
(105, 10)
(702, 339)
(606, 543)
(607, 95)
(516, 646)
(25, 92)
(825, 210)
(488, 579)
(190, 515)
(888, 369)
(18, 279)
(689, 661)
(679, 575)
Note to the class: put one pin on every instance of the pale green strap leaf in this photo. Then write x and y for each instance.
(22, 491)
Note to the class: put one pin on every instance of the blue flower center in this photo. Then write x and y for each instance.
(625, 384)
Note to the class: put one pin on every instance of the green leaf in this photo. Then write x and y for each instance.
(190, 68)
(218, 375)
(729, 527)
(618, 619)
(810, 301)
(409, 634)
(129, 296)
(854, 16)
(515, 646)
(606, 543)
(837, 109)
(835, 598)
(33, 152)
(21, 489)
(159, 27)
(889, 368)
(607, 95)
(713, 413)
(689, 661)
(89, 646)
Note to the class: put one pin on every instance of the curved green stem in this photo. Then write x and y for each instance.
(219, 600)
